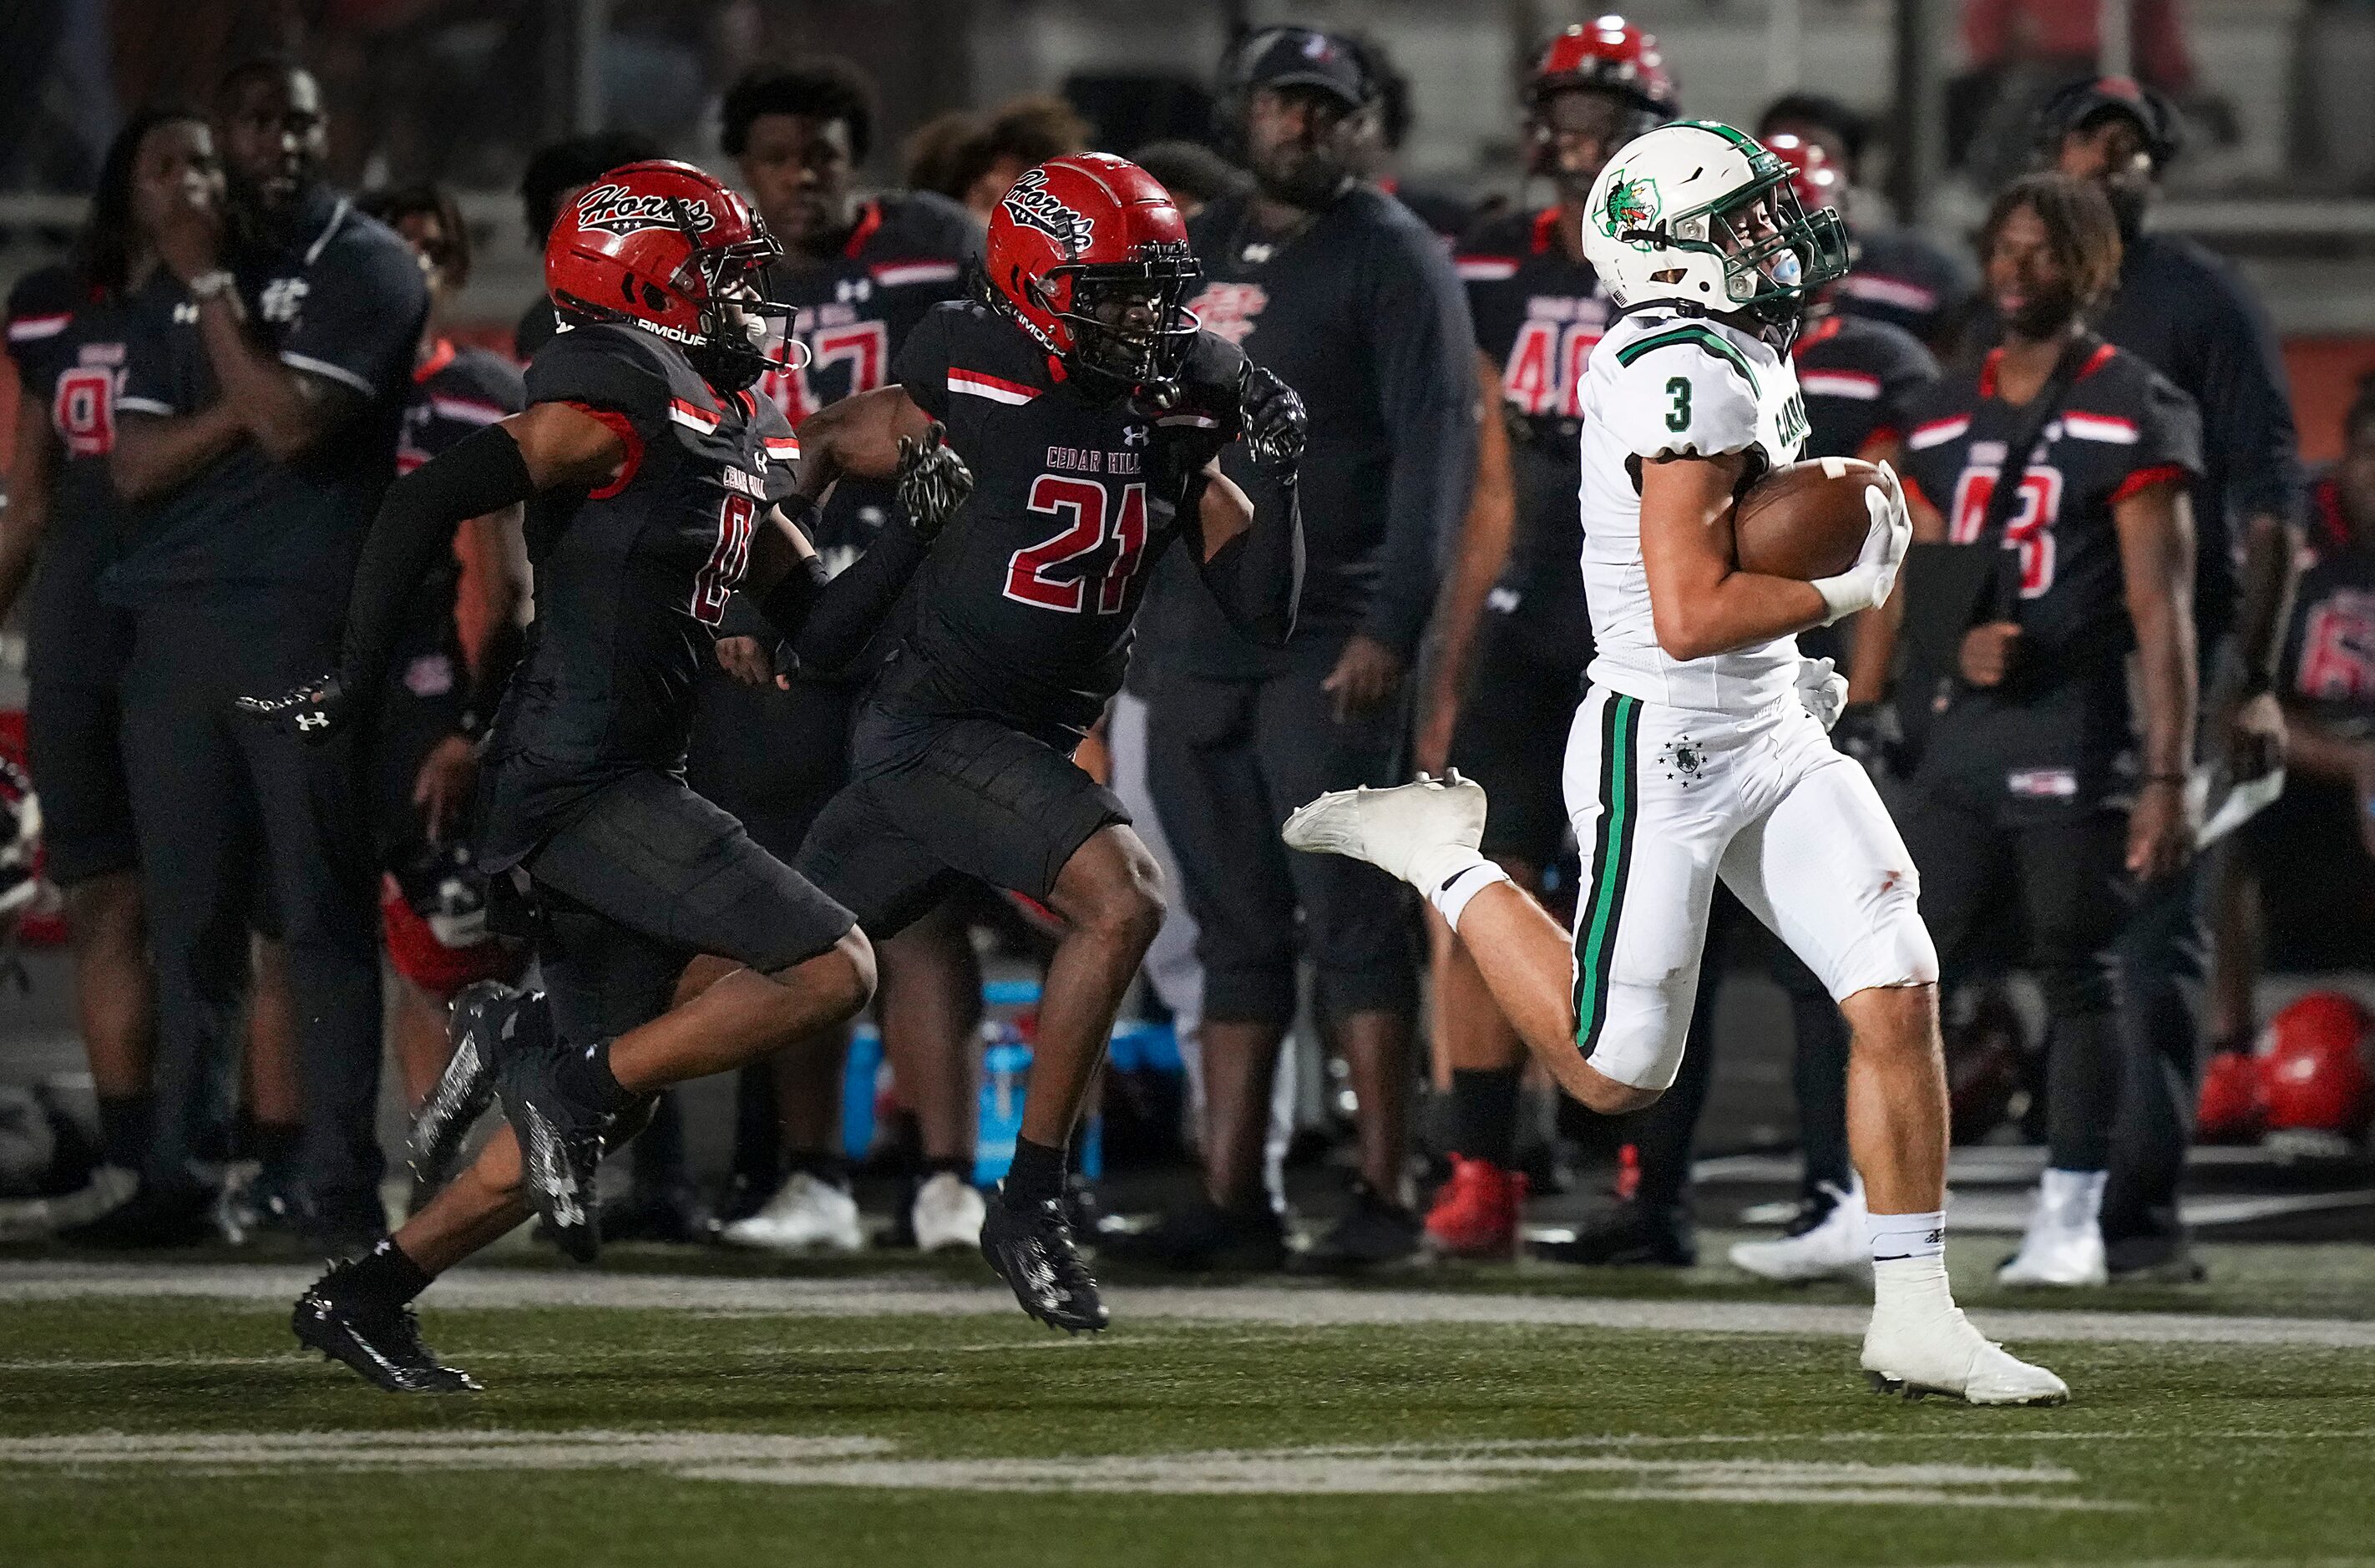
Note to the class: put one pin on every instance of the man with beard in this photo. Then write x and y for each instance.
(1349, 299)
(1516, 592)
(2185, 313)
(260, 412)
(859, 272)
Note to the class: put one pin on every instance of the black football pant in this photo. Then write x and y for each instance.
(2062, 879)
(2164, 957)
(1226, 761)
(226, 809)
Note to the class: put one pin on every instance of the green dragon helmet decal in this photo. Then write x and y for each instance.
(1632, 203)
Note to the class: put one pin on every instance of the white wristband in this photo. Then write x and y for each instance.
(1844, 595)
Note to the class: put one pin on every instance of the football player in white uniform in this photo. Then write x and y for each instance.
(1699, 750)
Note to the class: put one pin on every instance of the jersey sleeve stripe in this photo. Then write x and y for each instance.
(323, 368)
(143, 405)
(900, 274)
(1937, 432)
(2145, 479)
(787, 448)
(1856, 384)
(1487, 269)
(624, 428)
(998, 389)
(467, 410)
(1193, 421)
(24, 329)
(1698, 336)
(691, 418)
(2108, 427)
(1889, 291)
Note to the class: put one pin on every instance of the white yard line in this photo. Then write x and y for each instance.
(1299, 1307)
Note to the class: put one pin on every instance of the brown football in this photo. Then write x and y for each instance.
(1804, 520)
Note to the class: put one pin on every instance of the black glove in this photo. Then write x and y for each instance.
(1869, 733)
(314, 710)
(933, 480)
(1272, 419)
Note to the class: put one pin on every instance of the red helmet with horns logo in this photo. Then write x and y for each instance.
(666, 247)
(1088, 254)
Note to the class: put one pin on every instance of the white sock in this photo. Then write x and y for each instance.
(2073, 1198)
(1915, 1284)
(1451, 894)
(1908, 1237)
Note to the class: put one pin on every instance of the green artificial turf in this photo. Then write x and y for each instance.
(668, 1437)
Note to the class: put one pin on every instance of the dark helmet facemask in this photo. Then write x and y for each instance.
(1149, 356)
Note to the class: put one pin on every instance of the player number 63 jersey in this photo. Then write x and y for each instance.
(1660, 385)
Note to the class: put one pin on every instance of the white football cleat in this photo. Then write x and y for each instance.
(807, 1215)
(948, 1214)
(2063, 1246)
(1916, 1349)
(1391, 827)
(1836, 1246)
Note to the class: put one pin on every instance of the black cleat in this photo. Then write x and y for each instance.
(487, 1019)
(382, 1346)
(1031, 1250)
(1375, 1233)
(1631, 1235)
(561, 1145)
(1202, 1236)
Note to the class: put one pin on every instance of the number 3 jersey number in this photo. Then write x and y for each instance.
(2030, 528)
(1058, 572)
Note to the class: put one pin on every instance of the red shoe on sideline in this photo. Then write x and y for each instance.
(1476, 1213)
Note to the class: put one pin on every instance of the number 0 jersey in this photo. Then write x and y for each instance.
(632, 579)
(1022, 611)
(1660, 385)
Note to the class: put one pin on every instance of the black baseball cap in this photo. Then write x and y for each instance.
(1284, 57)
(2083, 103)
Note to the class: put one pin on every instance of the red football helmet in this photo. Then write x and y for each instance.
(1608, 55)
(1812, 174)
(665, 246)
(2313, 1069)
(2232, 1108)
(1088, 254)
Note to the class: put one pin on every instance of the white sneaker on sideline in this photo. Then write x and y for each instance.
(805, 1215)
(1838, 1245)
(2063, 1246)
(1390, 828)
(948, 1214)
(1914, 1350)
(33, 1219)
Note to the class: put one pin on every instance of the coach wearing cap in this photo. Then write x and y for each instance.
(1352, 300)
(2185, 312)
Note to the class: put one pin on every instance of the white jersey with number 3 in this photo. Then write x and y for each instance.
(1666, 385)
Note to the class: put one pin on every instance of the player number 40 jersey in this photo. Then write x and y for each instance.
(1661, 387)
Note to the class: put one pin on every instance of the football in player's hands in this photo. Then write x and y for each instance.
(1272, 418)
(1812, 520)
(933, 481)
(314, 710)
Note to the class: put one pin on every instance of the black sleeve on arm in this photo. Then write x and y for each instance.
(2246, 412)
(485, 473)
(506, 644)
(828, 625)
(1426, 358)
(1257, 577)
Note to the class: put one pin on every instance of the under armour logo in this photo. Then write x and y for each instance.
(317, 720)
(185, 314)
(852, 290)
(1257, 254)
(282, 299)
(1136, 435)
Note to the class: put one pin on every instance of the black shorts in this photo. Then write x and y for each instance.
(647, 877)
(421, 705)
(1512, 739)
(772, 758)
(933, 801)
(74, 745)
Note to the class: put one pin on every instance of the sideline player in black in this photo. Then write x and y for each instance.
(1516, 634)
(434, 706)
(2038, 794)
(69, 328)
(258, 424)
(2184, 313)
(859, 272)
(652, 476)
(556, 175)
(1856, 374)
(1093, 409)
(1341, 291)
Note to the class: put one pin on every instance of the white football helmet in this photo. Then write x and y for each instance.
(1700, 213)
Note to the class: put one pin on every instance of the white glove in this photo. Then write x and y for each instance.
(1823, 690)
(1866, 584)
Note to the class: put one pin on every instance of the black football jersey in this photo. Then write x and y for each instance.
(2122, 426)
(631, 579)
(456, 391)
(1022, 612)
(1857, 376)
(2328, 661)
(907, 253)
(1538, 313)
(1906, 279)
(68, 344)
